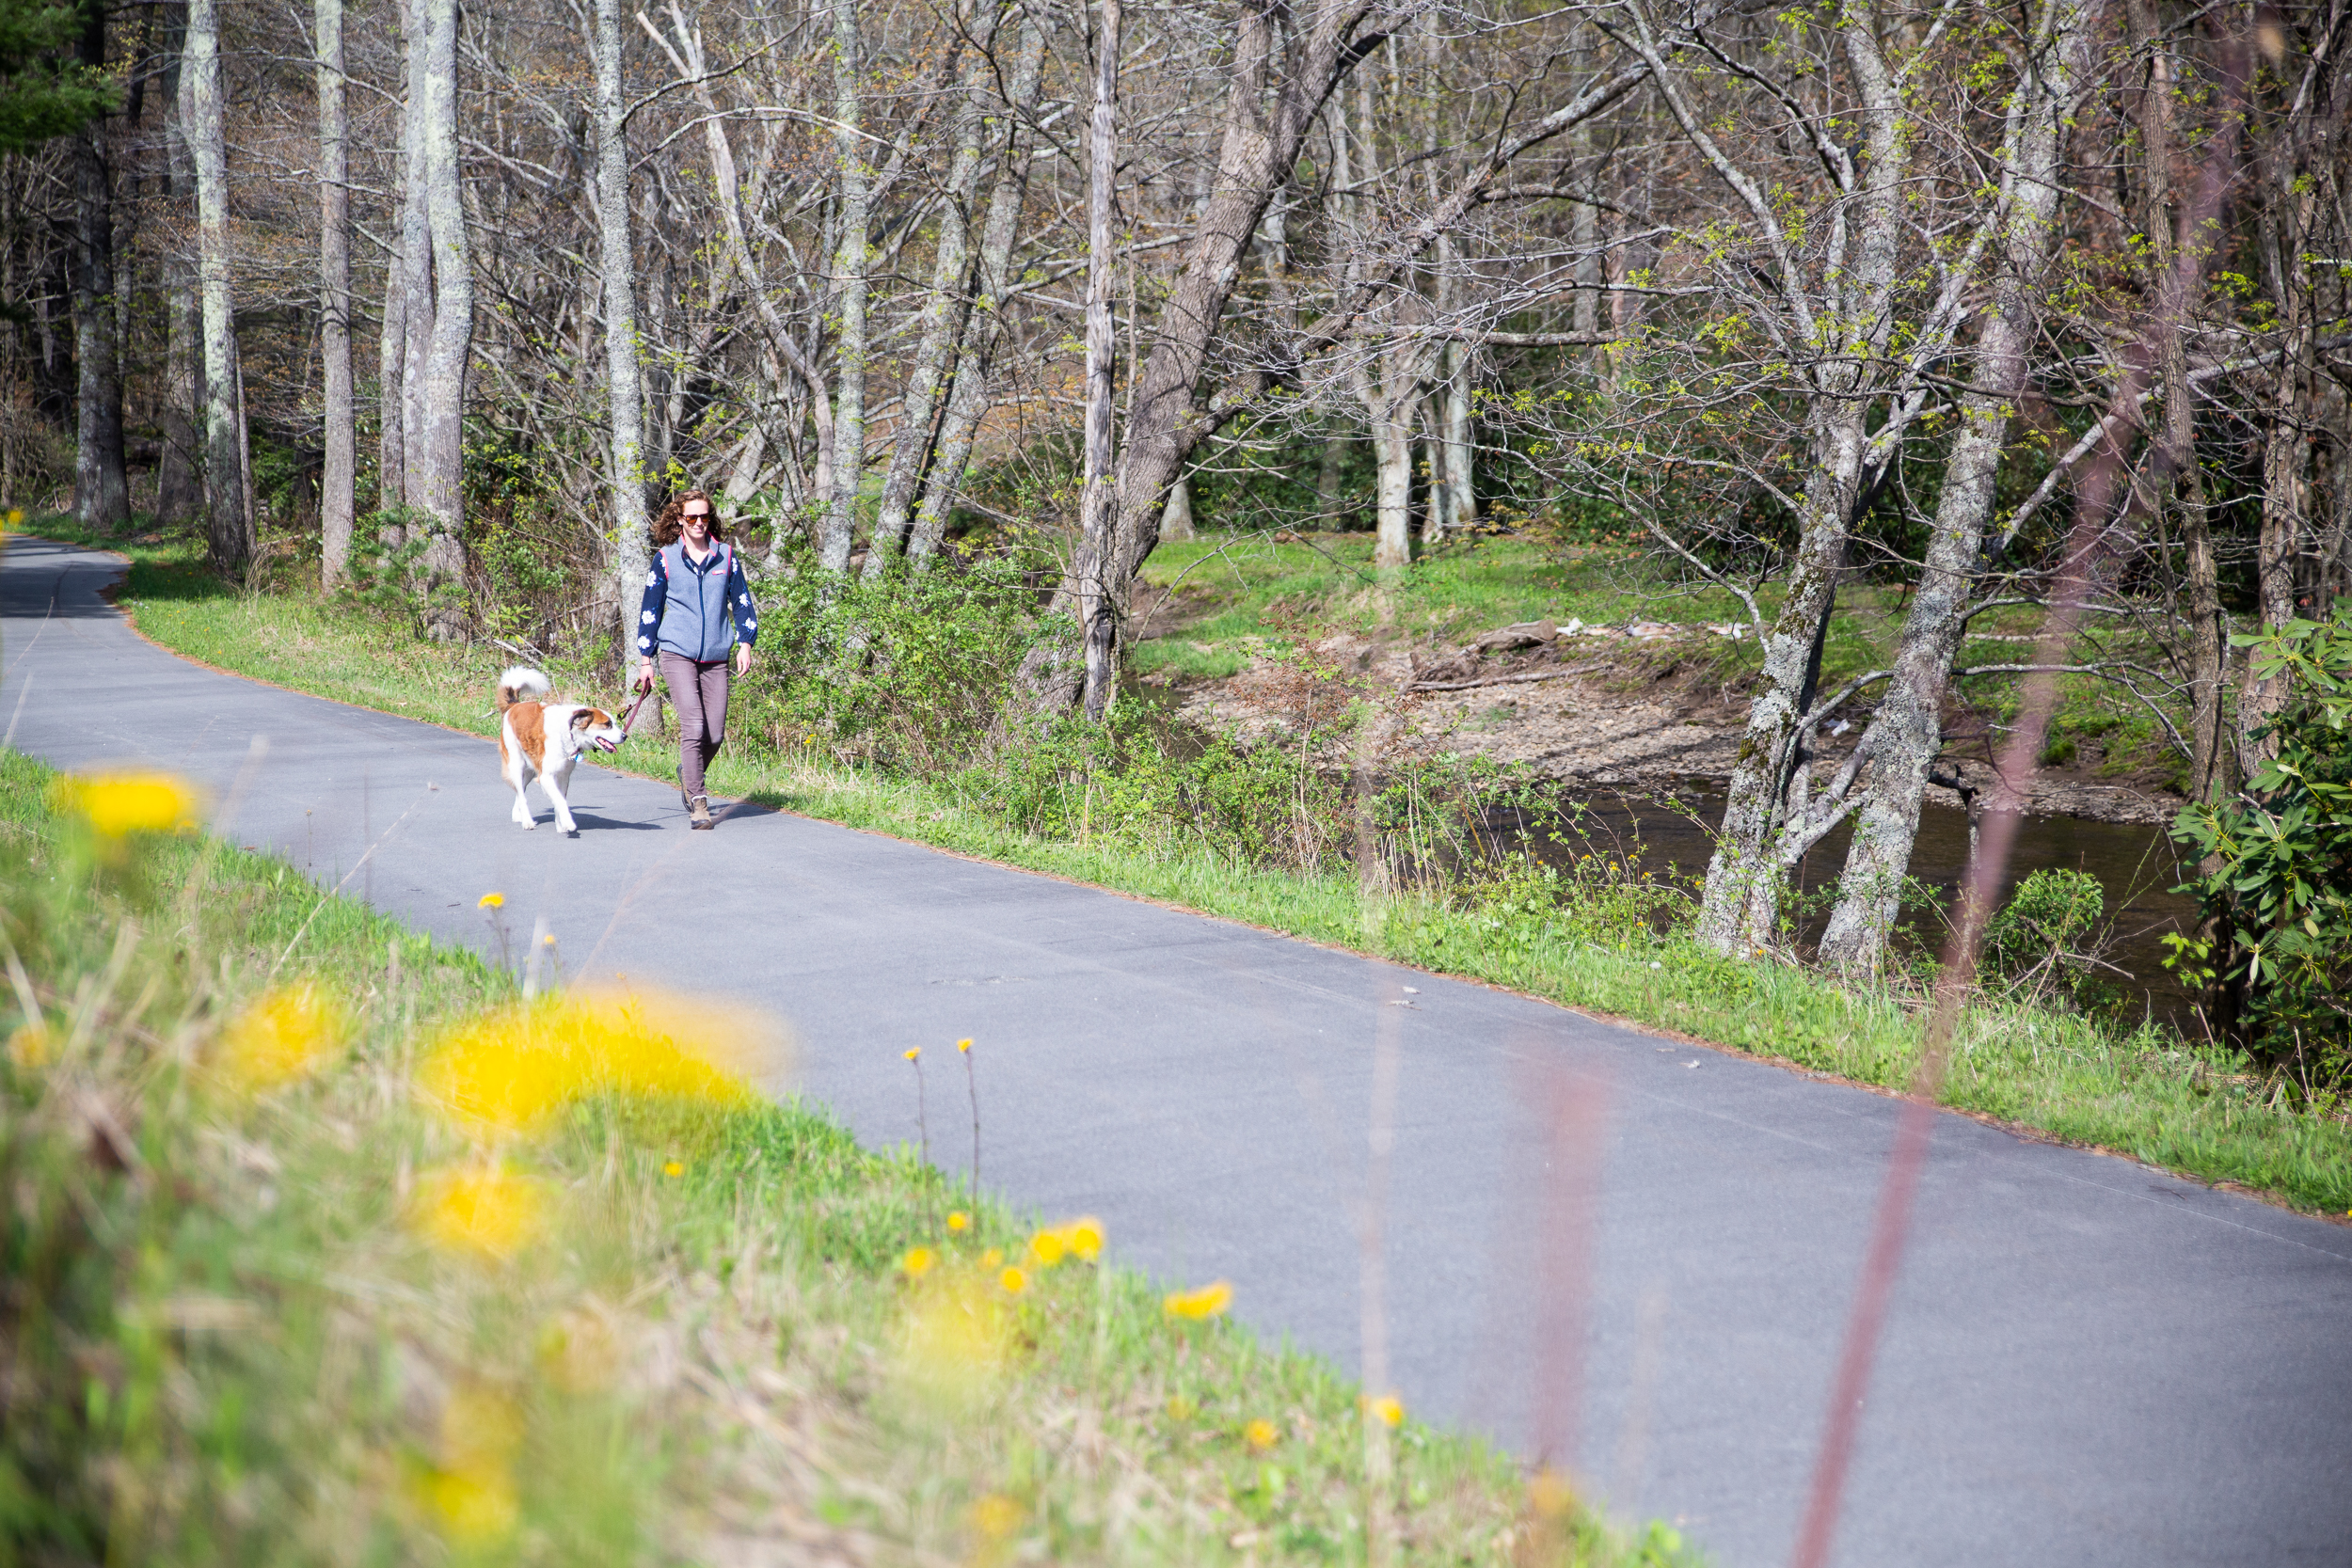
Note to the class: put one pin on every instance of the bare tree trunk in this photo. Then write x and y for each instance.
(1176, 520)
(102, 496)
(338, 480)
(1740, 907)
(1327, 475)
(1462, 510)
(1098, 523)
(416, 267)
(2178, 262)
(1906, 737)
(228, 520)
(850, 266)
(178, 485)
(624, 394)
(944, 311)
(438, 490)
(967, 404)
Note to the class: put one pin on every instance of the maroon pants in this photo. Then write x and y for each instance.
(698, 689)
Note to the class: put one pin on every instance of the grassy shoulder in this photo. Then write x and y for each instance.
(326, 1245)
(2144, 1094)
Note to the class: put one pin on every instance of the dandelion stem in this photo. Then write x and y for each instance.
(971, 1084)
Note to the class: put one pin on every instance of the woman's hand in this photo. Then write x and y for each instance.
(742, 659)
(645, 674)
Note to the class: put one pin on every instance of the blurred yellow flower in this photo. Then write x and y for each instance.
(964, 1045)
(1179, 1409)
(1080, 1238)
(1014, 1281)
(16, 517)
(31, 1045)
(1261, 1433)
(1206, 1301)
(959, 1220)
(997, 1516)
(281, 1035)
(911, 1052)
(1550, 1493)
(991, 1259)
(918, 1261)
(119, 803)
(491, 1212)
(672, 1168)
(510, 1069)
(472, 1492)
(1386, 1409)
(491, 902)
(958, 1340)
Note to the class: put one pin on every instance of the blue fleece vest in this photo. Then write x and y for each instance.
(694, 616)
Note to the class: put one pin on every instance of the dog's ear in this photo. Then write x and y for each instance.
(591, 717)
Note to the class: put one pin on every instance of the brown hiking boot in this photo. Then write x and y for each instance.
(698, 811)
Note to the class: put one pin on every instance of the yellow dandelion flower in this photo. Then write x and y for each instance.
(474, 1509)
(1179, 1409)
(964, 1045)
(958, 1221)
(510, 1069)
(918, 1261)
(16, 517)
(491, 902)
(118, 804)
(672, 1168)
(911, 1053)
(1261, 1433)
(1386, 1409)
(1085, 1236)
(1206, 1301)
(491, 1212)
(31, 1045)
(991, 1259)
(1048, 1247)
(997, 1516)
(282, 1035)
(1013, 1281)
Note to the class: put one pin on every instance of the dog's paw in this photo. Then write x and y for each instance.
(527, 826)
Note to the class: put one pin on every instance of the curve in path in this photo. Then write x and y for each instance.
(2086, 1362)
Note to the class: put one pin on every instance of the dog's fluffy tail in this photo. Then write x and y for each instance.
(522, 683)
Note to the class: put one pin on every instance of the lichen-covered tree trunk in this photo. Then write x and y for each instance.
(851, 263)
(338, 474)
(1097, 517)
(178, 463)
(439, 489)
(1907, 734)
(229, 523)
(625, 485)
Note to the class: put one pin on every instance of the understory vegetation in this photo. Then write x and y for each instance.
(326, 1244)
(887, 733)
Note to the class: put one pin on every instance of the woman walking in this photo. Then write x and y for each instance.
(697, 609)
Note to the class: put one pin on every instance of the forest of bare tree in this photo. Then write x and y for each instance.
(2039, 305)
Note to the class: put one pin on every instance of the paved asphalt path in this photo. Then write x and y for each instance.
(2086, 1362)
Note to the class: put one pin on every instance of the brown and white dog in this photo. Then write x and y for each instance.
(543, 739)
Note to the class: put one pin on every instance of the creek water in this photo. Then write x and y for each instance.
(2138, 864)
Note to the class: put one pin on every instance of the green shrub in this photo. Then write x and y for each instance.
(2042, 943)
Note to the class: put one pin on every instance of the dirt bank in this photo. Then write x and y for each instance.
(1654, 705)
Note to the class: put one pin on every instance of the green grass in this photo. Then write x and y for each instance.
(231, 1339)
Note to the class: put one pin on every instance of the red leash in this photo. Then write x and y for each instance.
(629, 720)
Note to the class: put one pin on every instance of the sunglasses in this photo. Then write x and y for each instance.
(694, 517)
